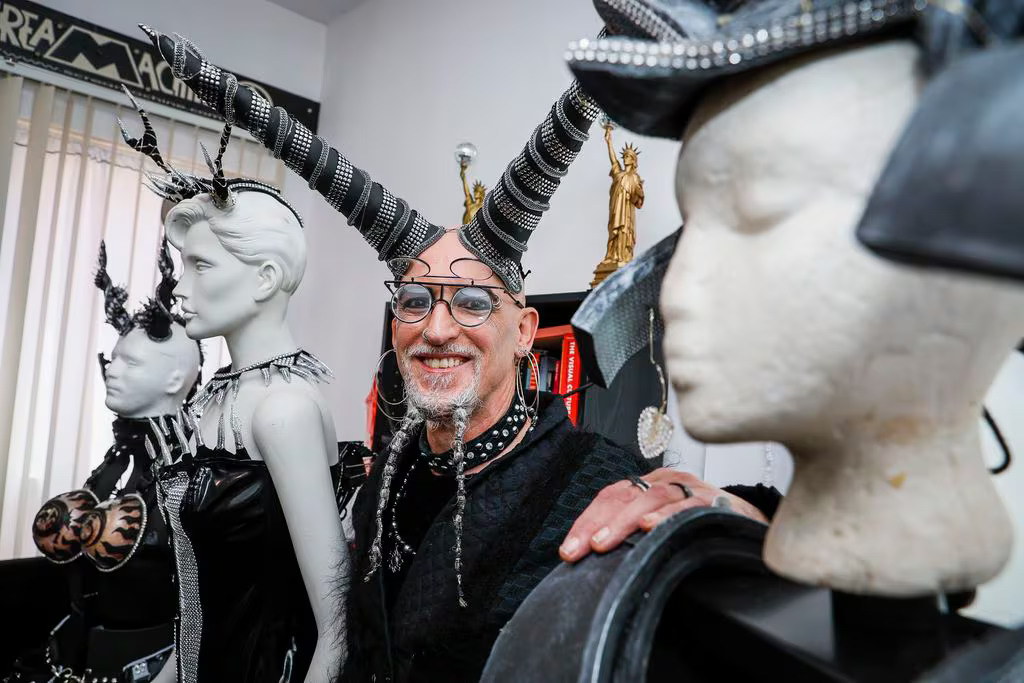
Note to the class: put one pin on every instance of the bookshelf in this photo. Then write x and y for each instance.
(612, 412)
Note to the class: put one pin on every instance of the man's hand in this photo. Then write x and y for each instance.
(622, 508)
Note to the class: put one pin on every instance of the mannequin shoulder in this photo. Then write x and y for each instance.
(284, 417)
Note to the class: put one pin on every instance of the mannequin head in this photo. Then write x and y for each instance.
(148, 378)
(240, 263)
(781, 326)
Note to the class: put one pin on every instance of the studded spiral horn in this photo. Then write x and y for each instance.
(387, 222)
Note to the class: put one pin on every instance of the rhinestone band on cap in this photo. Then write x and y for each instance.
(795, 31)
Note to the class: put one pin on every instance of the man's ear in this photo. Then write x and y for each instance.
(529, 321)
(394, 330)
(268, 280)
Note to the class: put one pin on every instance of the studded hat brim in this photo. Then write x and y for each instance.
(652, 88)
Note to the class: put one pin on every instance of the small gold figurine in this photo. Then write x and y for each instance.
(465, 152)
(625, 197)
(474, 199)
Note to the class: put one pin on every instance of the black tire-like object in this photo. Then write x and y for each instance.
(595, 622)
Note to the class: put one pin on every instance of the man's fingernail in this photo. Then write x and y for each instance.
(570, 546)
(601, 535)
(650, 519)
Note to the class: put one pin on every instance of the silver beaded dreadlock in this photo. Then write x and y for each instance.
(460, 417)
(412, 420)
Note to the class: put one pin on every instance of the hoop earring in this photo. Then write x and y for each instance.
(377, 394)
(654, 428)
(531, 409)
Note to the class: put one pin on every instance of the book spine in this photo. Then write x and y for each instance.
(570, 372)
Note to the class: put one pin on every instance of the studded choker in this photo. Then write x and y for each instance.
(485, 447)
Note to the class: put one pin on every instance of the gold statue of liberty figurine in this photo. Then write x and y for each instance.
(464, 154)
(625, 197)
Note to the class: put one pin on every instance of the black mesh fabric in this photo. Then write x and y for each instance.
(518, 511)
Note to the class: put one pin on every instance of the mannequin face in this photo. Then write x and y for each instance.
(146, 378)
(218, 292)
(779, 325)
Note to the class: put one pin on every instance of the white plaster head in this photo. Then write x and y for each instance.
(240, 263)
(781, 327)
(149, 378)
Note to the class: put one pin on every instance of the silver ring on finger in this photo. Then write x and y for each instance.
(640, 483)
(687, 491)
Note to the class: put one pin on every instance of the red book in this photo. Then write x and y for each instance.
(569, 375)
(371, 414)
(556, 386)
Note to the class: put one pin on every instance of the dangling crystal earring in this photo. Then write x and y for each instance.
(654, 429)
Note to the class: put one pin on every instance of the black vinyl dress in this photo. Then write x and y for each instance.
(244, 616)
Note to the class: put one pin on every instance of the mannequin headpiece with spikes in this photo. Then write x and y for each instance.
(177, 186)
(498, 233)
(155, 317)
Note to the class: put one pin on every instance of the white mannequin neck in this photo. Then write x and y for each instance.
(870, 514)
(265, 336)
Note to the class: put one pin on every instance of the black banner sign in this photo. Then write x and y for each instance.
(52, 40)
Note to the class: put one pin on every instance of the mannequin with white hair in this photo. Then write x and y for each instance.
(258, 550)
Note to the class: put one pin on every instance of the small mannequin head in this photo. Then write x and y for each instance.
(479, 192)
(445, 364)
(149, 378)
(240, 263)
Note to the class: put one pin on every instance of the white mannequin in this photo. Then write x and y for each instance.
(781, 327)
(241, 267)
(147, 378)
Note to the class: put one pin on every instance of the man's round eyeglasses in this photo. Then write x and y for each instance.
(469, 303)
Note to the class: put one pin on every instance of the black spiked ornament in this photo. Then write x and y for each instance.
(114, 297)
(156, 317)
(177, 186)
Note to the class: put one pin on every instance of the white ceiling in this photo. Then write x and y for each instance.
(323, 11)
